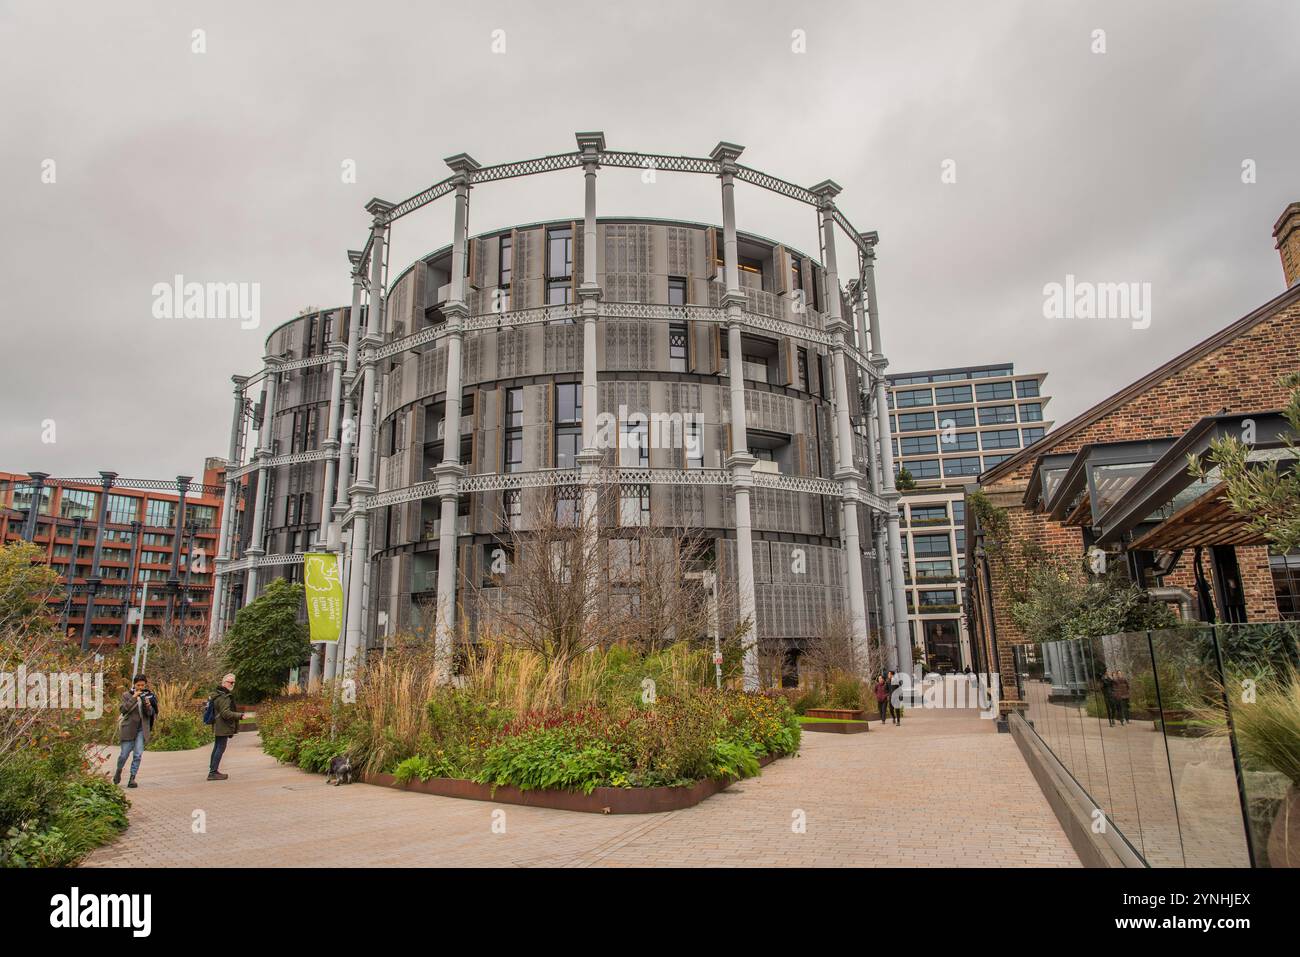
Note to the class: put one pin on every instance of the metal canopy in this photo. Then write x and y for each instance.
(1169, 476)
(1047, 473)
(1080, 482)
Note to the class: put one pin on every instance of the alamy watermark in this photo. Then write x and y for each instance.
(179, 299)
(56, 690)
(1081, 299)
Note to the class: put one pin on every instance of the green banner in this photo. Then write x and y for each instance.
(323, 581)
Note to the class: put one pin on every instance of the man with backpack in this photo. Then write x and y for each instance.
(221, 714)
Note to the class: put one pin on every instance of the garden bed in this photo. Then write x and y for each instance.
(601, 800)
(836, 714)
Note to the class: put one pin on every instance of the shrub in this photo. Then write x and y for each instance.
(732, 760)
(181, 731)
(414, 767)
(266, 640)
(846, 692)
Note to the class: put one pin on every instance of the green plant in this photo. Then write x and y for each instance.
(846, 692)
(731, 759)
(416, 766)
(266, 640)
(1266, 496)
(179, 732)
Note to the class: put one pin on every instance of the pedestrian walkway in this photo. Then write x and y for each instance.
(943, 789)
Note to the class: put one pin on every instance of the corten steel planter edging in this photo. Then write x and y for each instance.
(838, 727)
(842, 714)
(599, 801)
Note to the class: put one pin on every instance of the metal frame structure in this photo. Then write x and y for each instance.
(351, 499)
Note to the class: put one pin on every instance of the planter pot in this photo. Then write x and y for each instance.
(599, 801)
(1284, 836)
(839, 714)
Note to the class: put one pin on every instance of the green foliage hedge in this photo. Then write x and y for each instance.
(674, 741)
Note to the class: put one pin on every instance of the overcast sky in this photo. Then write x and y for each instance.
(225, 166)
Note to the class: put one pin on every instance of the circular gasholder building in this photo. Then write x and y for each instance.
(674, 379)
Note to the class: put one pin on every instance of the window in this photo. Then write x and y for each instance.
(568, 403)
(1027, 389)
(801, 369)
(754, 367)
(676, 347)
(1001, 439)
(958, 418)
(559, 253)
(559, 266)
(931, 545)
(568, 424)
(505, 260)
(915, 421)
(309, 340)
(943, 597)
(919, 445)
(23, 498)
(761, 453)
(913, 398)
(512, 507)
(1032, 435)
(796, 274)
(991, 460)
(566, 508)
(78, 503)
(624, 559)
(676, 291)
(1031, 412)
(513, 447)
(694, 446)
(160, 513)
(992, 391)
(634, 444)
(947, 395)
(933, 569)
(929, 515)
(997, 414)
(328, 328)
(920, 468)
(1286, 583)
(959, 512)
(961, 442)
(204, 516)
(634, 506)
(967, 465)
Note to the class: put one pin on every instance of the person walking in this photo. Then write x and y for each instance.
(881, 691)
(893, 684)
(1122, 693)
(1108, 695)
(225, 725)
(138, 708)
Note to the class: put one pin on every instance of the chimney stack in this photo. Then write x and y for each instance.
(1287, 234)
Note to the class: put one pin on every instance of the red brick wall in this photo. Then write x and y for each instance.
(1241, 375)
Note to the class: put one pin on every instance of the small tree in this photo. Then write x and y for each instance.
(904, 481)
(1266, 496)
(266, 640)
(1060, 603)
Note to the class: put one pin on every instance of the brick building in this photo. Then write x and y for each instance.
(1064, 493)
(147, 537)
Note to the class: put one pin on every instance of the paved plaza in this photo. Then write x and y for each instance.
(944, 789)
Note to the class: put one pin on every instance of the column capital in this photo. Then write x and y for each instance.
(272, 362)
(379, 209)
(591, 145)
(239, 382)
(455, 313)
(183, 482)
(107, 478)
(589, 294)
(463, 166)
(869, 239)
(448, 475)
(736, 298)
(338, 351)
(826, 191)
(725, 155)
